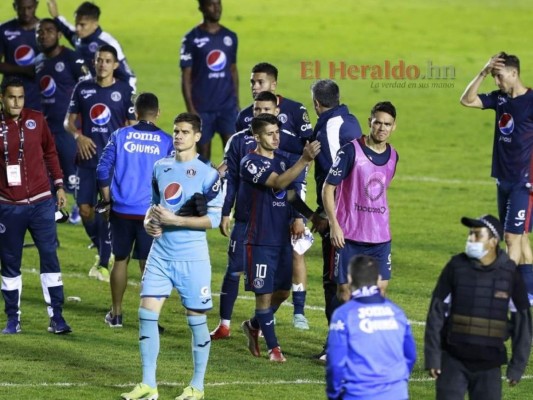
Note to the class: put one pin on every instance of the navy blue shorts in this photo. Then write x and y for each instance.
(380, 251)
(66, 150)
(87, 190)
(222, 122)
(268, 268)
(127, 234)
(514, 207)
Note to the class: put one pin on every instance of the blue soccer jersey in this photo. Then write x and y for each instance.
(132, 151)
(210, 57)
(238, 146)
(173, 183)
(19, 47)
(57, 77)
(269, 211)
(513, 135)
(295, 127)
(103, 110)
(88, 46)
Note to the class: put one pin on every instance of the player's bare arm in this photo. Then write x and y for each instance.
(86, 147)
(470, 96)
(235, 76)
(335, 231)
(186, 89)
(225, 225)
(52, 8)
(151, 225)
(297, 228)
(310, 151)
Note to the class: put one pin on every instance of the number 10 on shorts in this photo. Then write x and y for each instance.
(260, 271)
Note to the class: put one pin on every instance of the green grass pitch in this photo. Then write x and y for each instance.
(442, 175)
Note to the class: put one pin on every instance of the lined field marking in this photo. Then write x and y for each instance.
(431, 179)
(207, 384)
(215, 294)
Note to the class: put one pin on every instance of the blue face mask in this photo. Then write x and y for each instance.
(475, 250)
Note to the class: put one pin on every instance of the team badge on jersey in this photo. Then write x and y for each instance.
(116, 96)
(93, 46)
(60, 66)
(375, 186)
(173, 193)
(24, 55)
(228, 41)
(506, 124)
(100, 114)
(282, 118)
(30, 124)
(48, 86)
(216, 60)
(191, 172)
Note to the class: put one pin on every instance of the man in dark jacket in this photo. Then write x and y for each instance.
(468, 319)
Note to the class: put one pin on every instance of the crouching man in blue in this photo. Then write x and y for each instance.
(371, 350)
(468, 319)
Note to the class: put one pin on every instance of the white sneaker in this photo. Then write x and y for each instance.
(93, 272)
(300, 322)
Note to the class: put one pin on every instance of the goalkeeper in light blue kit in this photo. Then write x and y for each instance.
(186, 200)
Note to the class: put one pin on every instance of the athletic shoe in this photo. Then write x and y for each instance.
(320, 356)
(300, 322)
(141, 392)
(93, 272)
(58, 325)
(75, 217)
(114, 321)
(275, 355)
(190, 393)
(12, 327)
(221, 332)
(102, 274)
(253, 338)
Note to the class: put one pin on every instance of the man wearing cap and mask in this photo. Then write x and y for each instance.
(468, 319)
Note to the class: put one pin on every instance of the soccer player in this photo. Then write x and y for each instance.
(334, 128)
(295, 130)
(371, 349)
(355, 199)
(124, 175)
(87, 36)
(104, 105)
(264, 179)
(511, 153)
(18, 49)
(238, 146)
(209, 77)
(468, 319)
(28, 161)
(58, 70)
(179, 256)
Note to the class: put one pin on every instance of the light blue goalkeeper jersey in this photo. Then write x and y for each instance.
(173, 183)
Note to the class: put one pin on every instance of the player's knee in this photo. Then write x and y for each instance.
(86, 212)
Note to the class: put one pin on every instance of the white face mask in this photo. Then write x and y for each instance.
(475, 250)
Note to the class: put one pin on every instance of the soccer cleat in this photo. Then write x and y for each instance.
(190, 393)
(75, 217)
(93, 272)
(253, 338)
(102, 274)
(300, 322)
(114, 321)
(275, 355)
(58, 325)
(12, 327)
(221, 332)
(141, 392)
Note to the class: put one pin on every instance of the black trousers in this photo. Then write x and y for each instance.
(456, 380)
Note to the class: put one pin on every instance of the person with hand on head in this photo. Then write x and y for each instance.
(478, 303)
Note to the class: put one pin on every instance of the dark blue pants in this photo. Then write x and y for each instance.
(39, 220)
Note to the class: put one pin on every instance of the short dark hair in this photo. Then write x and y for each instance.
(266, 68)
(146, 104)
(326, 92)
(107, 48)
(189, 118)
(89, 10)
(266, 96)
(262, 120)
(510, 60)
(364, 271)
(11, 82)
(49, 21)
(384, 106)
